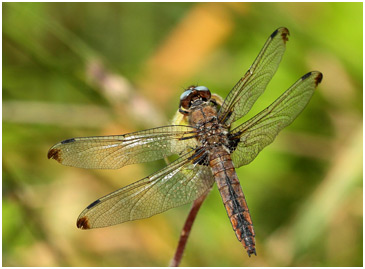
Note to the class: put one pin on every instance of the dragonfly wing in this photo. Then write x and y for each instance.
(181, 182)
(245, 93)
(113, 152)
(255, 134)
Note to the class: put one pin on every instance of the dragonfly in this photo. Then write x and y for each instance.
(209, 151)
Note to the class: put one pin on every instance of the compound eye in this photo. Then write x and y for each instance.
(185, 99)
(203, 92)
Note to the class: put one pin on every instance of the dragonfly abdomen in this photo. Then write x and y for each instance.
(233, 199)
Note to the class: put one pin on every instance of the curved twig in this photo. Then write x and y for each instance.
(186, 230)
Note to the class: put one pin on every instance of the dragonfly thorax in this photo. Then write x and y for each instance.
(211, 133)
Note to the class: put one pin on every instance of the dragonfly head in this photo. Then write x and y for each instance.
(192, 97)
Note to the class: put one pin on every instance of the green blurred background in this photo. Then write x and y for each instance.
(82, 69)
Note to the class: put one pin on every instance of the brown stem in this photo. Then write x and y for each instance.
(186, 230)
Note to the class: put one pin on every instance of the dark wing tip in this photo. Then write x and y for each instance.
(83, 223)
(318, 78)
(284, 32)
(54, 153)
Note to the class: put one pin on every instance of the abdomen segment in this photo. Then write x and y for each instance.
(233, 199)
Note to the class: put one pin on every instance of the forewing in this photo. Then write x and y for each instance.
(245, 93)
(113, 152)
(258, 132)
(179, 183)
